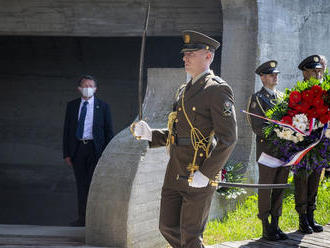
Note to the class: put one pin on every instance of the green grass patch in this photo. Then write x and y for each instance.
(243, 224)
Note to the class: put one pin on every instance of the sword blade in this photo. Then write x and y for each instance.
(143, 43)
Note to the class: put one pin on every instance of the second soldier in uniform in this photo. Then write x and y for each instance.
(203, 109)
(269, 201)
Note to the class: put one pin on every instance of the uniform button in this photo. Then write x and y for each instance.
(261, 140)
(201, 154)
(193, 108)
(179, 108)
(176, 120)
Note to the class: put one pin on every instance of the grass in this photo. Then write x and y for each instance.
(243, 224)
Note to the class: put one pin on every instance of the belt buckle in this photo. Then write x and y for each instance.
(84, 142)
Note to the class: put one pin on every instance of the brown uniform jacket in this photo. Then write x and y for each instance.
(209, 104)
(258, 104)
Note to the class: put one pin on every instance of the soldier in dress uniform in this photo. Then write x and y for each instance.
(201, 136)
(306, 184)
(269, 200)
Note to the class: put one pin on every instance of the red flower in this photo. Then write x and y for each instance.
(318, 102)
(308, 96)
(295, 97)
(303, 107)
(324, 118)
(292, 112)
(292, 105)
(312, 113)
(316, 90)
(322, 110)
(287, 119)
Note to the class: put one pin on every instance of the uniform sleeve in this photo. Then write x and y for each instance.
(225, 127)
(256, 124)
(159, 138)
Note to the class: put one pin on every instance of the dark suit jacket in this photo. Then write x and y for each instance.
(102, 127)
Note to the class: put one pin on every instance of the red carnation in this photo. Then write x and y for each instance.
(295, 97)
(292, 112)
(316, 90)
(312, 113)
(303, 107)
(318, 102)
(324, 118)
(308, 96)
(322, 110)
(287, 119)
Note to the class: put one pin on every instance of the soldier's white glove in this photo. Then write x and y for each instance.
(142, 130)
(199, 180)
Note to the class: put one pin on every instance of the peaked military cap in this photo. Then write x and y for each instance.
(268, 67)
(311, 62)
(194, 41)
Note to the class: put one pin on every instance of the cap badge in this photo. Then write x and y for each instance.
(186, 38)
(207, 47)
(272, 64)
(316, 59)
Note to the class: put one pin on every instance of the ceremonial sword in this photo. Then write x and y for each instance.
(242, 185)
(143, 44)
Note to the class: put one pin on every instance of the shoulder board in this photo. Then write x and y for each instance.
(218, 79)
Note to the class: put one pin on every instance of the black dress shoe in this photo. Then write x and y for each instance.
(304, 226)
(268, 232)
(275, 227)
(312, 223)
(78, 222)
(282, 235)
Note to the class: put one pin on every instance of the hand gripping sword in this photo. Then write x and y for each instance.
(242, 185)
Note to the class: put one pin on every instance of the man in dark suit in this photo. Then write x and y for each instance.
(87, 131)
(269, 201)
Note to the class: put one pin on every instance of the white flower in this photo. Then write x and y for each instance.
(300, 137)
(300, 121)
(327, 133)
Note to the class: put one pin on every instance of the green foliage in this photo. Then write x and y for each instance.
(243, 224)
(233, 172)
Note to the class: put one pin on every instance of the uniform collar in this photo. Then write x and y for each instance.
(200, 75)
(270, 92)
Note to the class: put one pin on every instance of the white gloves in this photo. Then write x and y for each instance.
(199, 180)
(141, 130)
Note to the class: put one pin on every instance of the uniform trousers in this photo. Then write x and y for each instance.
(84, 164)
(306, 186)
(270, 200)
(184, 214)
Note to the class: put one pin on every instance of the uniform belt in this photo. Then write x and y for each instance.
(85, 142)
(183, 141)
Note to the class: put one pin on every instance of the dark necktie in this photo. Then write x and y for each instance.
(81, 121)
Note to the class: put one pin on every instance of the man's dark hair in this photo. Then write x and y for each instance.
(89, 77)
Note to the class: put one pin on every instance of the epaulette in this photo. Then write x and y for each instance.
(218, 79)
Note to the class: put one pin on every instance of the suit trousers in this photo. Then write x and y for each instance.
(270, 200)
(183, 216)
(306, 186)
(84, 164)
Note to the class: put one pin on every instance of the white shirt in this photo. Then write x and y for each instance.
(88, 124)
(270, 91)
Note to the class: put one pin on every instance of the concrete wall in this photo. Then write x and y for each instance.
(239, 55)
(289, 31)
(107, 18)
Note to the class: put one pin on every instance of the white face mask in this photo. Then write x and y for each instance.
(87, 92)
